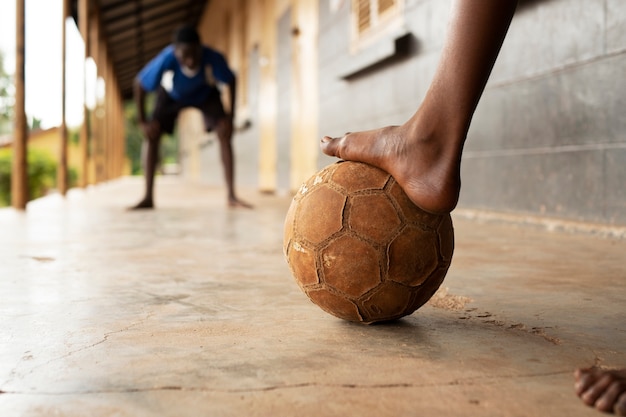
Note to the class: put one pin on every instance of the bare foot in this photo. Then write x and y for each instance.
(146, 203)
(427, 169)
(603, 389)
(234, 202)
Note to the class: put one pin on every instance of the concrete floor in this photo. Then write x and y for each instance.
(190, 310)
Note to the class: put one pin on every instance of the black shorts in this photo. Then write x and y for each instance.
(166, 110)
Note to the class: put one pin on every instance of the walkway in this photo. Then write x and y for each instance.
(190, 310)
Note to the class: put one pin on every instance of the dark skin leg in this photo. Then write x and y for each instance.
(152, 144)
(224, 133)
(603, 389)
(224, 130)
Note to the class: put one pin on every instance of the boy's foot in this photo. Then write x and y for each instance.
(146, 203)
(428, 170)
(234, 202)
(603, 389)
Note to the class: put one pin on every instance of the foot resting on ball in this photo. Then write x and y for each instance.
(603, 389)
(427, 167)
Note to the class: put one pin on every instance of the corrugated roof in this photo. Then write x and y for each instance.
(136, 30)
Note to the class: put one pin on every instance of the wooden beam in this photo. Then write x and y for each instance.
(83, 22)
(108, 122)
(62, 182)
(19, 176)
(94, 39)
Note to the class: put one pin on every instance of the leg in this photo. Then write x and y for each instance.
(424, 154)
(150, 153)
(216, 118)
(603, 389)
(162, 121)
(224, 130)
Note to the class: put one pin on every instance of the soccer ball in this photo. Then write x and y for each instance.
(360, 249)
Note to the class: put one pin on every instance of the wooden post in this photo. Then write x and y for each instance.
(62, 182)
(106, 119)
(120, 133)
(94, 35)
(19, 175)
(100, 111)
(115, 130)
(83, 22)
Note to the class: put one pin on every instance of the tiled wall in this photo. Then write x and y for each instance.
(549, 135)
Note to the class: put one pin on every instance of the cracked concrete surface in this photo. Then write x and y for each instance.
(190, 310)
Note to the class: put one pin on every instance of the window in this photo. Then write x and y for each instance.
(371, 18)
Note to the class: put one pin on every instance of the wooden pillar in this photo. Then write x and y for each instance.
(108, 118)
(122, 131)
(119, 138)
(83, 23)
(94, 36)
(62, 182)
(101, 108)
(19, 176)
(116, 130)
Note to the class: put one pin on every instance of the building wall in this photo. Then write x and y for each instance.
(49, 141)
(548, 137)
(550, 134)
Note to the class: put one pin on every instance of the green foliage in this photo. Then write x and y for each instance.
(72, 177)
(73, 135)
(6, 98)
(169, 148)
(34, 123)
(5, 177)
(42, 170)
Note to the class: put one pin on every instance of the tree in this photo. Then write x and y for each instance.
(34, 123)
(6, 98)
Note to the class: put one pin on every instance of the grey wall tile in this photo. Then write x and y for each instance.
(551, 34)
(615, 25)
(549, 135)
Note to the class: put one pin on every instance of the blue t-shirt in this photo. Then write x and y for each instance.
(188, 90)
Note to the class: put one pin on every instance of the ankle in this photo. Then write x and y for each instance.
(437, 131)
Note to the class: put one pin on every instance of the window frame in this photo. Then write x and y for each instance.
(380, 24)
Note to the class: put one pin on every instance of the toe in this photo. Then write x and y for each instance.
(584, 379)
(608, 399)
(594, 393)
(330, 146)
(620, 406)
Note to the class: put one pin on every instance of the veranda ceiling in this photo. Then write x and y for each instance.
(136, 30)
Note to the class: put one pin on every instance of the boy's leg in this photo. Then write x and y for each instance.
(216, 118)
(150, 156)
(424, 154)
(163, 118)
